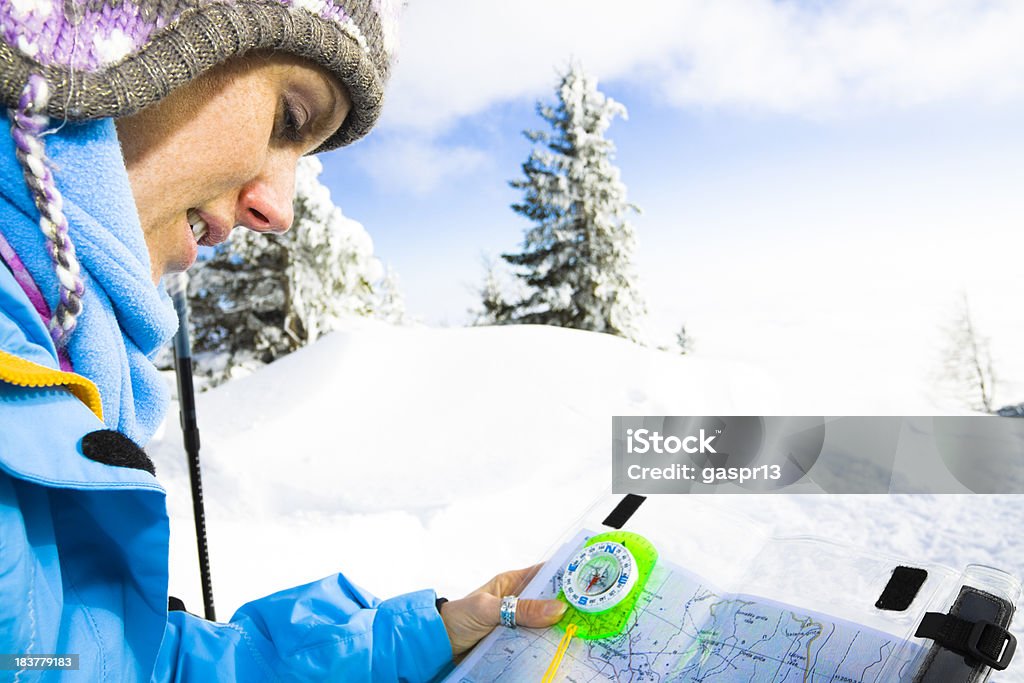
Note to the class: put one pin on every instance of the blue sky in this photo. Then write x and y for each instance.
(819, 180)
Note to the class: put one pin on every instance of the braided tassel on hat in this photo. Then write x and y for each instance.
(28, 121)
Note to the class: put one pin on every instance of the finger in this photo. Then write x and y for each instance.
(539, 613)
(512, 582)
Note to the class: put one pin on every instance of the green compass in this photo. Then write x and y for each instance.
(603, 581)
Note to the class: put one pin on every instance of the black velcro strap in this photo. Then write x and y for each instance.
(902, 588)
(624, 510)
(983, 641)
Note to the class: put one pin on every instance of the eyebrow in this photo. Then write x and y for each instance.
(332, 89)
(323, 97)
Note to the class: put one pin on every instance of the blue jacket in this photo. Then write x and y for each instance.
(84, 552)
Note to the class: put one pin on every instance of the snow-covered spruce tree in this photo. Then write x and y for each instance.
(576, 261)
(494, 305)
(684, 341)
(262, 296)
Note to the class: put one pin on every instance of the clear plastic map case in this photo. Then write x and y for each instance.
(725, 601)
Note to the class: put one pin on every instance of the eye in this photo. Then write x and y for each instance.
(293, 119)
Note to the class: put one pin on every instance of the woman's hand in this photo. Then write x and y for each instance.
(474, 616)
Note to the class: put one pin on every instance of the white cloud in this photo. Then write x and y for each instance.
(809, 58)
(410, 163)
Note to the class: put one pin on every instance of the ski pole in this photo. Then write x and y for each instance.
(178, 289)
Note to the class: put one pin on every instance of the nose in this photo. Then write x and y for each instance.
(265, 202)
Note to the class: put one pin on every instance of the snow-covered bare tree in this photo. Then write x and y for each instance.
(967, 361)
(576, 260)
(262, 296)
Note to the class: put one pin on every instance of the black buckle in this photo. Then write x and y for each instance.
(979, 641)
(998, 658)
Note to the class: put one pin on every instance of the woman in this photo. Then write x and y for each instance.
(138, 132)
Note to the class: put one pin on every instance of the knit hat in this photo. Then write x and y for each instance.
(111, 58)
(88, 59)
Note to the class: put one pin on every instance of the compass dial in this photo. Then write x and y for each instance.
(599, 577)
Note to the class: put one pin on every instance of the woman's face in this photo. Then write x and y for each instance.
(221, 152)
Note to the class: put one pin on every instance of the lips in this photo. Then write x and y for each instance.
(207, 231)
(197, 224)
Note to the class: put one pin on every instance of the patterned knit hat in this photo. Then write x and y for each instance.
(110, 58)
(91, 59)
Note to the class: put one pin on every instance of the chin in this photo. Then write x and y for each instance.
(173, 267)
(184, 258)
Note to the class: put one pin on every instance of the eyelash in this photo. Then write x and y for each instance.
(291, 129)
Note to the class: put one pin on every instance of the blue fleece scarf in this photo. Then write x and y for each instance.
(125, 318)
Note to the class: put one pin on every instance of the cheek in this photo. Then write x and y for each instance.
(232, 150)
(197, 147)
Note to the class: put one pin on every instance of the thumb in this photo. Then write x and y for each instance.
(539, 613)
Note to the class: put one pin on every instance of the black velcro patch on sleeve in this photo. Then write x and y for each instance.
(114, 448)
(902, 588)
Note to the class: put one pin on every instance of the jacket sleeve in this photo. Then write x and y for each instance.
(326, 630)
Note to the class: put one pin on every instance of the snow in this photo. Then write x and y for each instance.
(472, 450)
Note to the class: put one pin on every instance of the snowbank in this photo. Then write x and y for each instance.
(412, 457)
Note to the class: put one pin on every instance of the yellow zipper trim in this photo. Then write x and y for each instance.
(24, 373)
